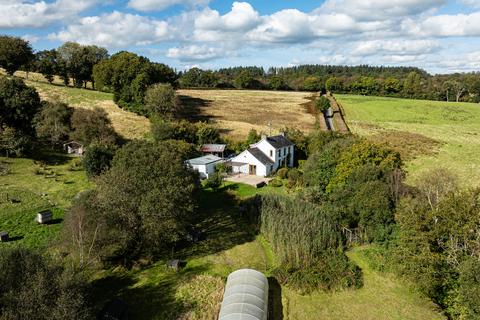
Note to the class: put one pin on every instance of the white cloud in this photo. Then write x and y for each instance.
(195, 53)
(115, 30)
(379, 9)
(241, 18)
(159, 5)
(18, 14)
(395, 47)
(445, 25)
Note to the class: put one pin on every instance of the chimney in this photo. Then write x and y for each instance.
(282, 134)
(264, 136)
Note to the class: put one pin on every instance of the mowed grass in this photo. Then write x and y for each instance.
(437, 134)
(235, 112)
(24, 192)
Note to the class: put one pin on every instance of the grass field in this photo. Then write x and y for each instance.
(235, 112)
(429, 134)
(29, 188)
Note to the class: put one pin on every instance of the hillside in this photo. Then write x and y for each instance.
(429, 134)
(235, 112)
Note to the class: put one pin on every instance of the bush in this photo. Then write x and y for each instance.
(275, 183)
(97, 160)
(282, 173)
(35, 287)
(322, 104)
(214, 181)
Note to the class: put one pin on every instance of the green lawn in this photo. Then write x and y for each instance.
(29, 188)
(437, 134)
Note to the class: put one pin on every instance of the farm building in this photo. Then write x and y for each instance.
(245, 296)
(215, 149)
(44, 216)
(264, 157)
(74, 148)
(204, 165)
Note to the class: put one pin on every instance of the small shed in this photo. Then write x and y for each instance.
(204, 165)
(174, 264)
(245, 296)
(3, 236)
(114, 309)
(44, 216)
(215, 149)
(74, 148)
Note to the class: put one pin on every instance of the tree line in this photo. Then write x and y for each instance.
(128, 75)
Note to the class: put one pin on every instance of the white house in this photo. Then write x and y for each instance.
(264, 157)
(204, 165)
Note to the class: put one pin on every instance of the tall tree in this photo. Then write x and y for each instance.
(412, 84)
(46, 63)
(161, 100)
(14, 53)
(53, 122)
(92, 126)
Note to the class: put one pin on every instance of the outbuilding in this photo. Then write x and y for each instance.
(3, 236)
(215, 149)
(245, 296)
(74, 148)
(44, 216)
(204, 165)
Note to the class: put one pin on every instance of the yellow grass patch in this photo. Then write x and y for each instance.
(237, 111)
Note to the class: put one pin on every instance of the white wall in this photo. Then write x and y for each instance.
(247, 157)
(202, 170)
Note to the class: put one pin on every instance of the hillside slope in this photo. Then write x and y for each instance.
(429, 134)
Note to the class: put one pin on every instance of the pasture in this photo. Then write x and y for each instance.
(49, 182)
(235, 112)
(428, 134)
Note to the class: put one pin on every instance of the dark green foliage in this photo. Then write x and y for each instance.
(18, 105)
(161, 100)
(197, 78)
(35, 287)
(245, 80)
(128, 76)
(144, 202)
(312, 83)
(438, 245)
(14, 53)
(14, 142)
(322, 104)
(214, 181)
(308, 244)
(277, 83)
(52, 123)
(46, 63)
(97, 159)
(92, 126)
(196, 133)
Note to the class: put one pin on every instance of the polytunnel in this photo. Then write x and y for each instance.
(245, 296)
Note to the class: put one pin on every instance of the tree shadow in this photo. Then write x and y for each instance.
(155, 300)
(52, 158)
(193, 108)
(220, 223)
(275, 307)
(16, 238)
(54, 221)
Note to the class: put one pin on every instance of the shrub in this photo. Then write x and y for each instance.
(275, 183)
(282, 173)
(4, 168)
(97, 160)
(214, 181)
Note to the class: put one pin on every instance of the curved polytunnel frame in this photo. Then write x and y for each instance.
(245, 296)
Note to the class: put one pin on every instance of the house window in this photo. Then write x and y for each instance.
(271, 153)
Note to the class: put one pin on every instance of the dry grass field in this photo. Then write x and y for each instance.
(127, 124)
(235, 112)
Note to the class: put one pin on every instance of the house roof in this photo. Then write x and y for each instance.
(73, 144)
(260, 156)
(213, 148)
(279, 141)
(204, 160)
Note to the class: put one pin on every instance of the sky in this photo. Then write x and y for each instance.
(440, 36)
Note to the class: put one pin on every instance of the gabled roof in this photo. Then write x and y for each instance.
(204, 160)
(260, 156)
(213, 148)
(279, 141)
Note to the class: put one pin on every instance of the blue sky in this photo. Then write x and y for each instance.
(441, 36)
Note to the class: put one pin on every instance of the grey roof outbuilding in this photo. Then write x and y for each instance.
(204, 160)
